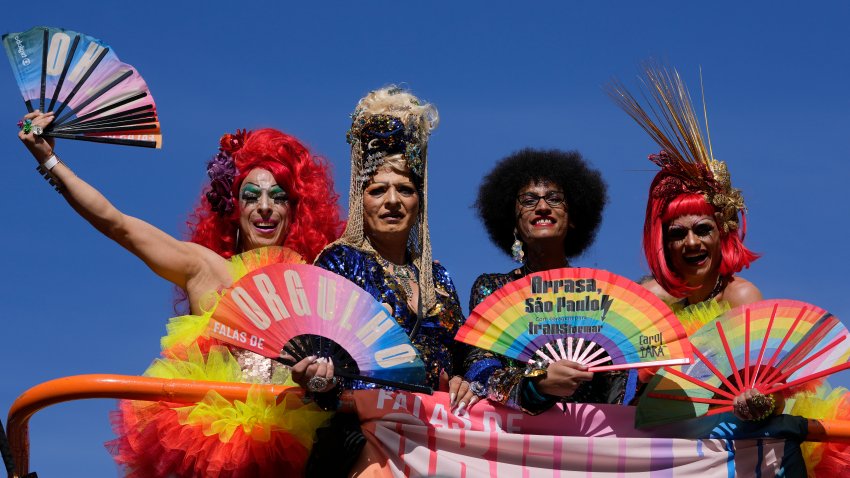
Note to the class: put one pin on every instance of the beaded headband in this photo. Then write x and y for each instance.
(383, 135)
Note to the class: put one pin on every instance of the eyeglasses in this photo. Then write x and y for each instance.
(552, 198)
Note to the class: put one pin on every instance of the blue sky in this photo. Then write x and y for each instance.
(504, 76)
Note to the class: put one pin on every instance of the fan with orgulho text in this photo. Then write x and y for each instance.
(302, 310)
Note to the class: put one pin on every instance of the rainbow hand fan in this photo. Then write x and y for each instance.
(769, 346)
(95, 96)
(588, 316)
(304, 310)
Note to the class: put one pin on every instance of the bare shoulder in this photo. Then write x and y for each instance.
(653, 286)
(205, 258)
(209, 271)
(740, 291)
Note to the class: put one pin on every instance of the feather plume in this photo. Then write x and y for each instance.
(670, 119)
(686, 160)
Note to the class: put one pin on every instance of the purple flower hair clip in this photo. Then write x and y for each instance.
(222, 171)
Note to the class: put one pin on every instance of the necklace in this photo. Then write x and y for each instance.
(718, 288)
(526, 269)
(403, 274)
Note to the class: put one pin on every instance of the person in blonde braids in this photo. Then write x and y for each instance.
(386, 250)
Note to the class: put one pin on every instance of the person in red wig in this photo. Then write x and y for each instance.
(693, 247)
(266, 189)
(693, 235)
(269, 200)
(693, 239)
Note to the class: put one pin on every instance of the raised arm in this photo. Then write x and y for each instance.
(174, 260)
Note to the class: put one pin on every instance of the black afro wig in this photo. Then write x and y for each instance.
(583, 187)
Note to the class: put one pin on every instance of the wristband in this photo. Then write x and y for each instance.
(45, 170)
(51, 162)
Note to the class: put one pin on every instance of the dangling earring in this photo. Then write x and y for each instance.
(238, 247)
(516, 250)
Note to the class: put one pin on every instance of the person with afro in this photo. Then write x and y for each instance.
(543, 208)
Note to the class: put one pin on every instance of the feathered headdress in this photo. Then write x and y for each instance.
(686, 159)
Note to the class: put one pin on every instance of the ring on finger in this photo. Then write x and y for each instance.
(317, 384)
(478, 389)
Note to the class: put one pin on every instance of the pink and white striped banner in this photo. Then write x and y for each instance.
(417, 435)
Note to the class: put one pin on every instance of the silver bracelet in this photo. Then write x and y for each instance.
(45, 170)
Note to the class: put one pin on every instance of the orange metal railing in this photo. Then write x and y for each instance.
(122, 387)
(189, 391)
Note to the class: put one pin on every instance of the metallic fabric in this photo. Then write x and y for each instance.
(435, 337)
(259, 369)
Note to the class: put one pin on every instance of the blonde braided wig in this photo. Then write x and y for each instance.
(418, 120)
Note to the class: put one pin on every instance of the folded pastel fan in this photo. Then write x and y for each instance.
(303, 310)
(768, 346)
(589, 316)
(94, 95)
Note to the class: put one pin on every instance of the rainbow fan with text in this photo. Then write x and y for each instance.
(94, 95)
(589, 316)
(303, 310)
(769, 346)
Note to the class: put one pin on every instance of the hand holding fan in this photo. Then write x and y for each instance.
(95, 97)
(767, 346)
(585, 315)
(304, 310)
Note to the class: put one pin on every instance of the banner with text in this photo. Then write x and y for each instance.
(418, 435)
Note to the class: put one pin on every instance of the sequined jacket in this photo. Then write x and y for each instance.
(435, 337)
(505, 379)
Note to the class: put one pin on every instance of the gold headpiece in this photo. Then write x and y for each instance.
(686, 160)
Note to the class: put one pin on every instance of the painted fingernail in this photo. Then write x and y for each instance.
(460, 407)
(452, 397)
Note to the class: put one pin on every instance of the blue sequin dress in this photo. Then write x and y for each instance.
(435, 336)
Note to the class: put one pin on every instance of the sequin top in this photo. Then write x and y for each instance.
(259, 369)
(435, 338)
(506, 380)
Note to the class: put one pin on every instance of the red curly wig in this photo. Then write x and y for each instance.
(306, 179)
(660, 211)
